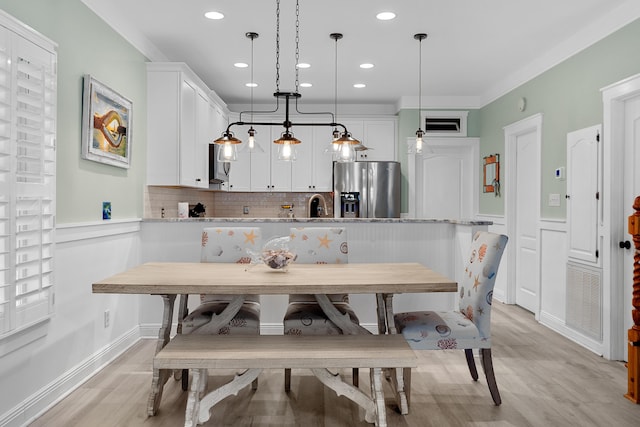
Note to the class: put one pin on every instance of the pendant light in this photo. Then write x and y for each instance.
(335, 146)
(343, 144)
(252, 145)
(228, 152)
(287, 141)
(419, 132)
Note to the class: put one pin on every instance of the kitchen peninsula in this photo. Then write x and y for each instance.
(438, 244)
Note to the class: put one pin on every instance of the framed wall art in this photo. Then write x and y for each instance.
(106, 124)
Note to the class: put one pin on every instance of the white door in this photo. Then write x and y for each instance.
(447, 179)
(582, 193)
(527, 290)
(631, 191)
(522, 181)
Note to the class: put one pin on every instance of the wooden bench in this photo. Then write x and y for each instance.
(253, 354)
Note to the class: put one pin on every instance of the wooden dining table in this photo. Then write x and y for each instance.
(170, 279)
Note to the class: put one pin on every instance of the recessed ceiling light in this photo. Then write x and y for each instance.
(385, 16)
(306, 84)
(303, 65)
(251, 84)
(240, 65)
(359, 85)
(366, 65)
(214, 15)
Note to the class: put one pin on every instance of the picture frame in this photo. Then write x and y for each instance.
(106, 124)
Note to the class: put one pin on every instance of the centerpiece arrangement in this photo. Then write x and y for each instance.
(276, 254)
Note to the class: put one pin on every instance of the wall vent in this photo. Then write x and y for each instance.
(444, 123)
(584, 300)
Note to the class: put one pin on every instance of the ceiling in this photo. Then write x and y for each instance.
(475, 50)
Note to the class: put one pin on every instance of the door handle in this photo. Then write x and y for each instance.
(625, 245)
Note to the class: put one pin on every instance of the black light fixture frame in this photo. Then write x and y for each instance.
(227, 135)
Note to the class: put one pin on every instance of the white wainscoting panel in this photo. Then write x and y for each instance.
(77, 344)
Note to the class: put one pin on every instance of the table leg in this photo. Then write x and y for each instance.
(369, 404)
(232, 388)
(397, 377)
(342, 321)
(220, 320)
(160, 376)
(382, 320)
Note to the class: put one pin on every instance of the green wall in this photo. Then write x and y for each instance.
(86, 45)
(569, 98)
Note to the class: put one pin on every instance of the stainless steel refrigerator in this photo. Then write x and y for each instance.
(366, 190)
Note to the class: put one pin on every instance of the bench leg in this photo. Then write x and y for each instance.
(204, 405)
(371, 406)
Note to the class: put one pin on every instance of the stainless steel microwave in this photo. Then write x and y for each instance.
(218, 171)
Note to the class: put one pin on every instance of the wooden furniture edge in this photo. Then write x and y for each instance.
(286, 351)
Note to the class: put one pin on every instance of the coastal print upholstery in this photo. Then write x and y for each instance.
(317, 245)
(469, 327)
(227, 244)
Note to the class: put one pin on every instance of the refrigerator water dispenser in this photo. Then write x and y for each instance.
(350, 205)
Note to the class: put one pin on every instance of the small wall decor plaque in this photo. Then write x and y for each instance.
(106, 124)
(106, 210)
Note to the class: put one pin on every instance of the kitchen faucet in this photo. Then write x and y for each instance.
(317, 206)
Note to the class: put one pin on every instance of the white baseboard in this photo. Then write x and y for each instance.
(58, 389)
(558, 325)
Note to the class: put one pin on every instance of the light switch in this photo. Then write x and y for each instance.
(554, 199)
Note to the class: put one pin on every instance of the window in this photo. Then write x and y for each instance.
(27, 176)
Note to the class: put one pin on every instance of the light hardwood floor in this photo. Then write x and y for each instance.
(544, 380)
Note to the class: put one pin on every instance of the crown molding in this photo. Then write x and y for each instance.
(589, 35)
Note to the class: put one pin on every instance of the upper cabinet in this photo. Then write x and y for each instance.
(380, 137)
(312, 171)
(181, 121)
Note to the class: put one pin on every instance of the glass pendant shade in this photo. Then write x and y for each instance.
(228, 152)
(286, 149)
(419, 135)
(252, 139)
(346, 153)
(252, 145)
(347, 150)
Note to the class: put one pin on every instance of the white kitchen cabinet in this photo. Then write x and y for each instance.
(380, 137)
(179, 126)
(313, 169)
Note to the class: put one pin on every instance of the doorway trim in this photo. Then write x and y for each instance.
(612, 224)
(511, 133)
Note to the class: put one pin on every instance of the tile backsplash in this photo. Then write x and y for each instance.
(222, 204)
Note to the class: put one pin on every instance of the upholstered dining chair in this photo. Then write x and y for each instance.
(469, 327)
(231, 245)
(304, 316)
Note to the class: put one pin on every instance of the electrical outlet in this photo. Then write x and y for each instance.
(245, 210)
(106, 318)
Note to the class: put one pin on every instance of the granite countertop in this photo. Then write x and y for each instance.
(326, 220)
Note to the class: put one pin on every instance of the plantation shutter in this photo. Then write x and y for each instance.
(27, 181)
